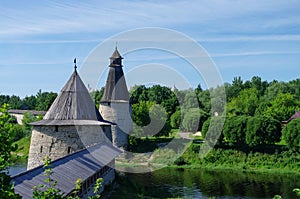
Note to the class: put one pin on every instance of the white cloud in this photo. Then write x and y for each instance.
(77, 16)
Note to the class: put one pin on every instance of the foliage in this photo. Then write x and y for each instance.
(193, 119)
(18, 132)
(159, 124)
(49, 190)
(97, 96)
(176, 119)
(190, 121)
(212, 130)
(235, 130)
(291, 134)
(245, 103)
(29, 103)
(283, 106)
(205, 127)
(6, 147)
(21, 154)
(44, 100)
(140, 113)
(138, 93)
(237, 159)
(262, 130)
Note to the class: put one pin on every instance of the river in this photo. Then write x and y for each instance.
(199, 183)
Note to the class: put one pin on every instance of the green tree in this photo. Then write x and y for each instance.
(283, 106)
(191, 120)
(4, 99)
(176, 119)
(44, 100)
(262, 130)
(234, 89)
(140, 113)
(204, 100)
(212, 130)
(6, 147)
(190, 100)
(29, 103)
(234, 130)
(245, 103)
(159, 125)
(159, 94)
(259, 85)
(15, 102)
(291, 134)
(18, 132)
(97, 96)
(138, 93)
(27, 119)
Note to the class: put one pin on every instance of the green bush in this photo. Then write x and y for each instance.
(176, 119)
(291, 134)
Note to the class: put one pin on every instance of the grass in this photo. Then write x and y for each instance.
(266, 158)
(21, 155)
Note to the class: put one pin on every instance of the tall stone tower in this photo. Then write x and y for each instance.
(72, 123)
(114, 105)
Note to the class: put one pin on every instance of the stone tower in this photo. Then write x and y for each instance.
(72, 123)
(114, 105)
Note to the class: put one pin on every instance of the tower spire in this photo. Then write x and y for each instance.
(75, 67)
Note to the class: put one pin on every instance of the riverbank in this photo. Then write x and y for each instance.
(152, 153)
(217, 159)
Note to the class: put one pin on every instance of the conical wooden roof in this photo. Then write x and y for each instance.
(73, 106)
(115, 88)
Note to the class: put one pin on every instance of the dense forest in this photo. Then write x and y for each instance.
(254, 110)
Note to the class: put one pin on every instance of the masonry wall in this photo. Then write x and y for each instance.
(118, 112)
(59, 141)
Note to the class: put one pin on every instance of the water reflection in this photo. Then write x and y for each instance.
(196, 183)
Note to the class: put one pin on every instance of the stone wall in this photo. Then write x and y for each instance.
(118, 112)
(59, 141)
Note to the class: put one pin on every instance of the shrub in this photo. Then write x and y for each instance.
(291, 134)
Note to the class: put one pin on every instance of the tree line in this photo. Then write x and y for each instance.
(39, 102)
(254, 110)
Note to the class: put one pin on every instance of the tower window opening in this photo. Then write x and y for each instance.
(69, 149)
(56, 128)
(41, 149)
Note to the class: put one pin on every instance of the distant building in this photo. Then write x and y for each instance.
(115, 105)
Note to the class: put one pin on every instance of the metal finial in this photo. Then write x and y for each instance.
(116, 45)
(75, 67)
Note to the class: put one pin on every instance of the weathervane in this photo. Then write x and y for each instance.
(75, 67)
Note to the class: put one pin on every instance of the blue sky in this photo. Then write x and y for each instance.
(40, 39)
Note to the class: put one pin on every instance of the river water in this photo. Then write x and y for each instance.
(199, 183)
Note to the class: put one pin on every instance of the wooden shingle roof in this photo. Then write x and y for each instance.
(115, 88)
(67, 170)
(73, 105)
